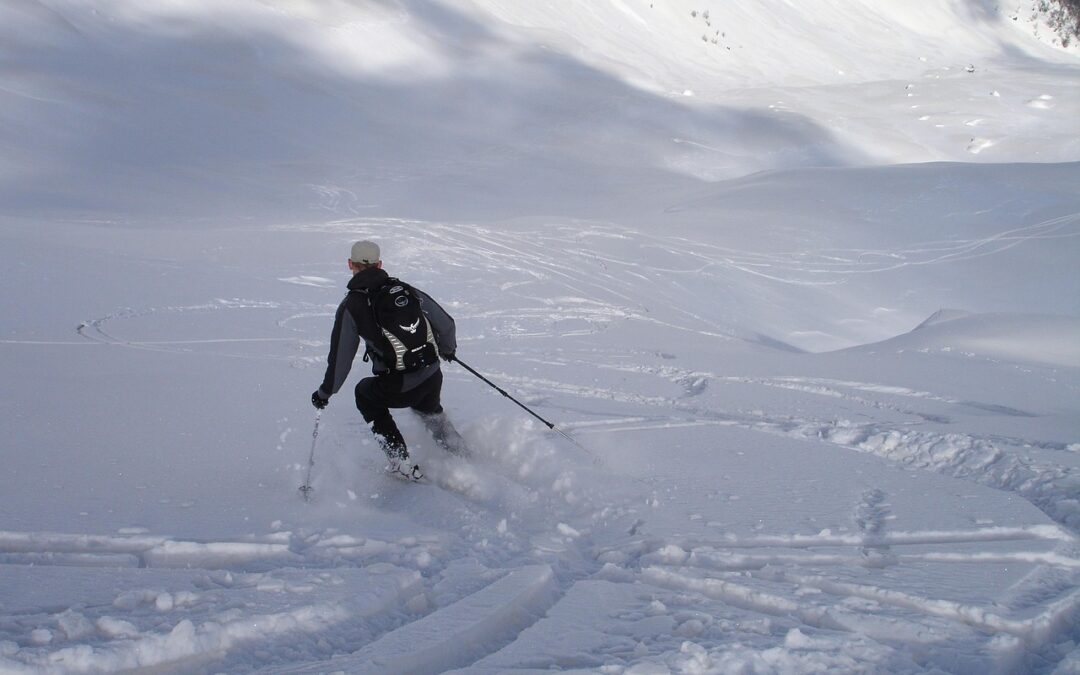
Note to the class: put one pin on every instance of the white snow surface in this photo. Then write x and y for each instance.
(798, 284)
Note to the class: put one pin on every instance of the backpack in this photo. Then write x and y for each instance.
(407, 342)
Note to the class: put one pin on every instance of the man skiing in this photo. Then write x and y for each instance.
(404, 332)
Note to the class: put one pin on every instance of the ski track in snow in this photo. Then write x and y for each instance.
(222, 604)
(596, 292)
(342, 590)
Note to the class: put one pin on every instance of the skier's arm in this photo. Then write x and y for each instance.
(344, 341)
(441, 322)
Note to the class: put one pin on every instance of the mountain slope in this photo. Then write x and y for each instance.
(710, 268)
(250, 109)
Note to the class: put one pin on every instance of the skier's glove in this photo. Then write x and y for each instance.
(318, 401)
(447, 356)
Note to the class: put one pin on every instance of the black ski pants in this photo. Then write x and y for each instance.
(374, 401)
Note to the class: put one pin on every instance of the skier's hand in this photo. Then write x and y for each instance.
(447, 356)
(318, 401)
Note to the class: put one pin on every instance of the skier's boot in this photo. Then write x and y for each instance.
(399, 464)
(403, 467)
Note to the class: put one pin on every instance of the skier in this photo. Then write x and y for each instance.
(404, 332)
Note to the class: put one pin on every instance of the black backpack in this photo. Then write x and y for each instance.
(407, 343)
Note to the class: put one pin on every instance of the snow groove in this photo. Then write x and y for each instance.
(456, 635)
(202, 620)
(1034, 634)
(148, 551)
(992, 461)
(768, 582)
(1053, 488)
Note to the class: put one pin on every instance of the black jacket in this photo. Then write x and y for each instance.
(355, 320)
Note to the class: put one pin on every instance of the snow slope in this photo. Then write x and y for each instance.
(303, 109)
(806, 306)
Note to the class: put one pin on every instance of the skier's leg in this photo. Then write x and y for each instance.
(427, 396)
(444, 433)
(430, 409)
(371, 403)
(389, 437)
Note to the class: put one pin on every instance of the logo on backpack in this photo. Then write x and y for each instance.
(408, 342)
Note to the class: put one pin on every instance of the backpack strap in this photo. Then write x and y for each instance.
(423, 315)
(368, 350)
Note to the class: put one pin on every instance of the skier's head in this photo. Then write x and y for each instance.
(365, 254)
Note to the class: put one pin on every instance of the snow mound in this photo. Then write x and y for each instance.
(1026, 338)
(942, 316)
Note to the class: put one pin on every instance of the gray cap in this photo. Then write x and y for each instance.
(365, 253)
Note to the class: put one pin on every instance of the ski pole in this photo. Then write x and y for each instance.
(549, 425)
(306, 488)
